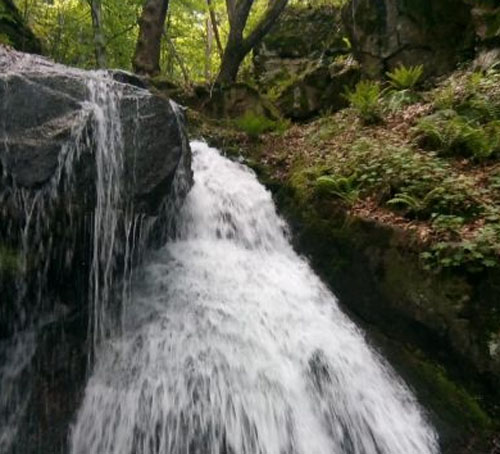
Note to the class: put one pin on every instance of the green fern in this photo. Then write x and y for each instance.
(403, 78)
(415, 204)
(345, 188)
(365, 99)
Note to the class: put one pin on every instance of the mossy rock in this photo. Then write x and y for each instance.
(232, 102)
(302, 38)
(318, 90)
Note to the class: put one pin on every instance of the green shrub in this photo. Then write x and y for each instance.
(479, 108)
(255, 125)
(403, 77)
(365, 99)
(453, 134)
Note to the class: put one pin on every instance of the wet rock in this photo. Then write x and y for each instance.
(388, 33)
(43, 104)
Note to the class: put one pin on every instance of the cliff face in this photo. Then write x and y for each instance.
(387, 33)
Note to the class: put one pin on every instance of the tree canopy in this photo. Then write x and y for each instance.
(193, 39)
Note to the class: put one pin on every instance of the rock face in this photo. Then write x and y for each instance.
(14, 32)
(302, 62)
(301, 37)
(486, 17)
(88, 160)
(387, 33)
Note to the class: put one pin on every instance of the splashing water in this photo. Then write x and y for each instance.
(233, 345)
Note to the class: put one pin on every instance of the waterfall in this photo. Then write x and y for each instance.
(231, 344)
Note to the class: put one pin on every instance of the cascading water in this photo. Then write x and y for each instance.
(231, 344)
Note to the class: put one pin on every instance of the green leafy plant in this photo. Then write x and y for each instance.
(453, 134)
(397, 99)
(444, 98)
(404, 77)
(365, 99)
(475, 254)
(413, 203)
(255, 125)
(345, 188)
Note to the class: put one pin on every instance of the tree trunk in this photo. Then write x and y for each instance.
(230, 65)
(238, 47)
(99, 44)
(208, 49)
(215, 28)
(151, 24)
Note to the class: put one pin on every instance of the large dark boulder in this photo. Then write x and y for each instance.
(387, 33)
(43, 105)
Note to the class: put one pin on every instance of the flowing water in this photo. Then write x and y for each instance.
(231, 344)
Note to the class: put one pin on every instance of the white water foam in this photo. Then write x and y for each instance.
(233, 345)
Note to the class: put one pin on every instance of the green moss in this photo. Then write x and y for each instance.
(451, 397)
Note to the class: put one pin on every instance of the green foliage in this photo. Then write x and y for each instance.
(415, 204)
(327, 128)
(65, 29)
(255, 125)
(188, 50)
(397, 99)
(366, 100)
(475, 254)
(345, 188)
(453, 134)
(403, 77)
(4, 39)
(475, 96)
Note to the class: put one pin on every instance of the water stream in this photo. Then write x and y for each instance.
(231, 344)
